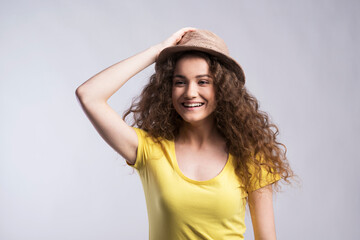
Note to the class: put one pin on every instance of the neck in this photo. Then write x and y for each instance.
(198, 134)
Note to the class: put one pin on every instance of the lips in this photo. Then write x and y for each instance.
(192, 105)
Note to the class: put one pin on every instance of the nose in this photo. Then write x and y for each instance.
(191, 91)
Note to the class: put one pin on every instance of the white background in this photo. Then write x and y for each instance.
(60, 180)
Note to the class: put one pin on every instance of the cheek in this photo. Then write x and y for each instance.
(176, 93)
(210, 95)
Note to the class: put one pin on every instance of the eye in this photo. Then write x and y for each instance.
(179, 82)
(202, 82)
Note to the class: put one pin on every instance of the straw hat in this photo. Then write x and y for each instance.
(204, 41)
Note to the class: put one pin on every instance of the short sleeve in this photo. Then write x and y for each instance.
(266, 178)
(141, 149)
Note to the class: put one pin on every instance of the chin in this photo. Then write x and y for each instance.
(197, 120)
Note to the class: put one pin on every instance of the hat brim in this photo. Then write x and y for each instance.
(226, 60)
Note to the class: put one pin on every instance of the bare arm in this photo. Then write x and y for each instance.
(262, 213)
(95, 92)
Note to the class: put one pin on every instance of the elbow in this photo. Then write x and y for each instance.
(82, 95)
(79, 92)
(85, 97)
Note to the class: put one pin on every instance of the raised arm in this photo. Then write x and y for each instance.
(95, 92)
(262, 213)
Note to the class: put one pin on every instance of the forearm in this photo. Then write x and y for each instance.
(105, 83)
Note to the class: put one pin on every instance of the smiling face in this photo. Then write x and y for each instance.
(193, 90)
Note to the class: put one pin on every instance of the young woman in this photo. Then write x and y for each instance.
(202, 147)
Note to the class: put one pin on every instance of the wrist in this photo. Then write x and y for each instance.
(156, 49)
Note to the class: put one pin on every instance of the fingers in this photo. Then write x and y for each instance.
(186, 29)
(180, 33)
(173, 39)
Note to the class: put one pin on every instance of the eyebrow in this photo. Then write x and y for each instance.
(197, 76)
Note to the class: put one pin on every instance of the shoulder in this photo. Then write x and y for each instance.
(145, 137)
(150, 147)
(261, 174)
(141, 133)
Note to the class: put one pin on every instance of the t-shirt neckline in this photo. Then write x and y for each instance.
(180, 173)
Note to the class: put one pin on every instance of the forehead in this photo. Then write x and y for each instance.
(191, 64)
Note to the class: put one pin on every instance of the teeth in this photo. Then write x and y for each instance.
(193, 104)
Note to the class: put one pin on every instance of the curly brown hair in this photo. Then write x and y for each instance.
(247, 130)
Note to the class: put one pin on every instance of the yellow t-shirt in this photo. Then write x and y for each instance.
(183, 208)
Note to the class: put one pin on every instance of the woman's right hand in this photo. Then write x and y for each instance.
(173, 39)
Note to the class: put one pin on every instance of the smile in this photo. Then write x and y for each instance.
(192, 105)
